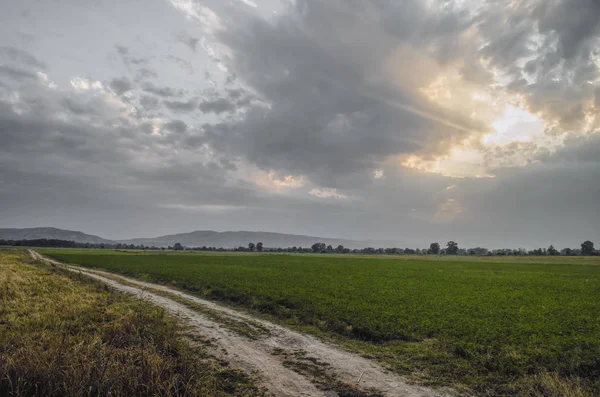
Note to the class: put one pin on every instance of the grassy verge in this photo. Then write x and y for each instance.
(249, 329)
(492, 328)
(61, 335)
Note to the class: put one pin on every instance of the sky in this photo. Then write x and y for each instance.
(409, 120)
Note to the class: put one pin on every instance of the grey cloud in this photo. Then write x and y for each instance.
(328, 118)
(575, 26)
(234, 99)
(189, 41)
(176, 126)
(577, 150)
(120, 85)
(94, 150)
(514, 43)
(182, 106)
(17, 55)
(185, 65)
(128, 59)
(560, 100)
(231, 78)
(235, 93)
(163, 91)
(122, 50)
(562, 64)
(149, 102)
(16, 74)
(218, 106)
(145, 74)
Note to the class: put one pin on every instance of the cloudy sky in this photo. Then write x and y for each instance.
(410, 120)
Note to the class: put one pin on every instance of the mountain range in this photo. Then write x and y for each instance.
(199, 238)
(36, 233)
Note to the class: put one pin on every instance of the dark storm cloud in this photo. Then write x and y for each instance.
(335, 112)
(574, 26)
(330, 117)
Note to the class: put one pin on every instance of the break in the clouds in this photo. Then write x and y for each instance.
(405, 120)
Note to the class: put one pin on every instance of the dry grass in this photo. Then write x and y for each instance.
(550, 384)
(63, 336)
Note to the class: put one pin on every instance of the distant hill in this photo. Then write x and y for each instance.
(199, 238)
(212, 238)
(35, 233)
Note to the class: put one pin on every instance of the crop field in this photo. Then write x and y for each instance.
(520, 326)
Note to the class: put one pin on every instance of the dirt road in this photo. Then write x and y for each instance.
(287, 363)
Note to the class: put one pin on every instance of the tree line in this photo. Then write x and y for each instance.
(451, 248)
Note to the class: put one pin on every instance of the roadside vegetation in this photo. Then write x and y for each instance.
(64, 335)
(491, 327)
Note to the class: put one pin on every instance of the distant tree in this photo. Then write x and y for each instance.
(318, 247)
(259, 246)
(552, 251)
(329, 248)
(567, 252)
(251, 246)
(478, 251)
(587, 248)
(339, 249)
(434, 248)
(177, 247)
(451, 248)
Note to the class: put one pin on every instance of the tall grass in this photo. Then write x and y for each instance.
(63, 336)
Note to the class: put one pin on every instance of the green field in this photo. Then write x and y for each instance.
(528, 326)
